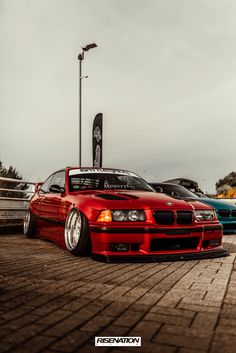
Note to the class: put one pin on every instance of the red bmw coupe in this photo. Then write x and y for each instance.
(116, 216)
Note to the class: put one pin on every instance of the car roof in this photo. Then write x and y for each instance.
(90, 168)
(169, 184)
(97, 169)
(179, 180)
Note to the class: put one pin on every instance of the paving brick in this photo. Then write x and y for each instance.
(19, 322)
(54, 317)
(89, 348)
(116, 308)
(76, 304)
(99, 290)
(71, 341)
(62, 328)
(228, 311)
(129, 318)
(52, 302)
(170, 301)
(173, 311)
(223, 343)
(34, 345)
(114, 330)
(228, 321)
(145, 329)
(137, 306)
(194, 332)
(205, 320)
(186, 350)
(175, 320)
(97, 323)
(197, 307)
(202, 302)
(229, 299)
(147, 347)
(149, 299)
(4, 332)
(183, 341)
(16, 338)
(228, 329)
(117, 293)
(13, 314)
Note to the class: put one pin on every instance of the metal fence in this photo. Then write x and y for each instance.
(13, 209)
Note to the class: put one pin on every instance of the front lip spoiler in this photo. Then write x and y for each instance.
(159, 230)
(211, 254)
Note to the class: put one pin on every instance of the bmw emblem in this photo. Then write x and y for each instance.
(169, 203)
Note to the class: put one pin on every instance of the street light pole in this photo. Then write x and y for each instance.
(81, 58)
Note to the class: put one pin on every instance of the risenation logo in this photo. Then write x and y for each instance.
(118, 341)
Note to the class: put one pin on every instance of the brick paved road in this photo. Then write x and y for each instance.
(51, 301)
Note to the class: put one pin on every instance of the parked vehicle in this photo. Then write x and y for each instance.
(187, 183)
(226, 212)
(117, 216)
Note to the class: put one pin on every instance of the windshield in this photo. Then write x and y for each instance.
(177, 190)
(107, 181)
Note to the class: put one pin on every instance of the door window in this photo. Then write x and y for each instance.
(45, 187)
(58, 179)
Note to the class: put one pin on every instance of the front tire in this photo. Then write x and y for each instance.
(29, 225)
(77, 237)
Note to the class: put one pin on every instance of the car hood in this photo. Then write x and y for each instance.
(218, 204)
(141, 199)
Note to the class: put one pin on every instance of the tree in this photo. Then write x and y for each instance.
(11, 173)
(229, 181)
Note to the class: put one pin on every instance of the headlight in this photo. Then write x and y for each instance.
(134, 216)
(128, 215)
(118, 215)
(205, 215)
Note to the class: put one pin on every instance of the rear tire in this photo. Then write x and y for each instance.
(29, 225)
(77, 238)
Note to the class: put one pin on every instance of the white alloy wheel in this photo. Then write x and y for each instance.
(73, 229)
(26, 222)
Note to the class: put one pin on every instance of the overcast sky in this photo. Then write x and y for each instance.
(163, 75)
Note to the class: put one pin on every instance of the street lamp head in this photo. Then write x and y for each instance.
(89, 46)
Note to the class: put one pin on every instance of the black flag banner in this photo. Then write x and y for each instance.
(97, 141)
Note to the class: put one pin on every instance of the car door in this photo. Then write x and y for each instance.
(35, 204)
(50, 206)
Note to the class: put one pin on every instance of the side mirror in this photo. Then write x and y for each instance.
(57, 189)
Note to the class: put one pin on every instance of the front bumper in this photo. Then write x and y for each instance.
(211, 254)
(156, 243)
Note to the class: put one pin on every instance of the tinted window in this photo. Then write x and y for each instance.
(104, 181)
(58, 179)
(55, 179)
(177, 190)
(44, 188)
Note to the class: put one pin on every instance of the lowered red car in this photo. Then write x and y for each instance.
(116, 216)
